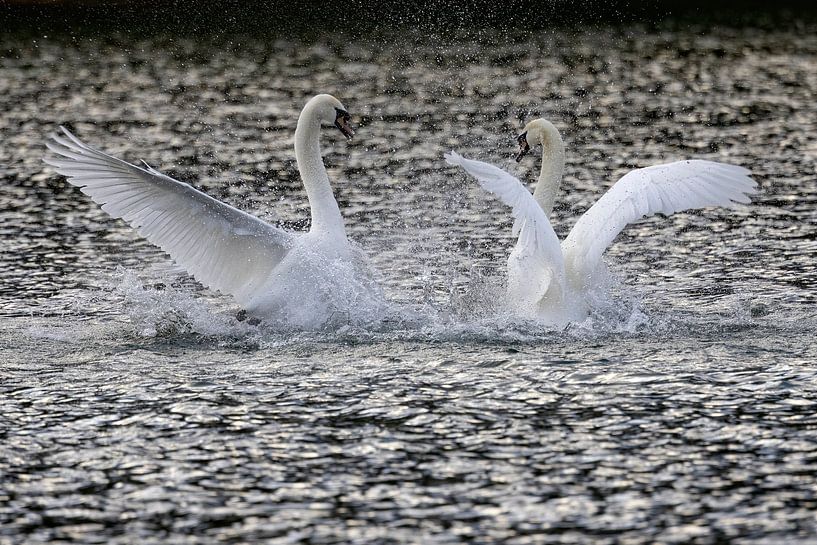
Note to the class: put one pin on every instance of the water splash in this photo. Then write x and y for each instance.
(166, 309)
(169, 308)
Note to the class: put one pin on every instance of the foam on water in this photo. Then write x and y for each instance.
(133, 305)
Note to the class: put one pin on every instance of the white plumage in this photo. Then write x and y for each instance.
(553, 282)
(535, 266)
(270, 272)
(660, 189)
(224, 248)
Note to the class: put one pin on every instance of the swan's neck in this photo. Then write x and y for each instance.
(550, 178)
(325, 212)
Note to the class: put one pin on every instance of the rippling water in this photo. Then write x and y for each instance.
(136, 407)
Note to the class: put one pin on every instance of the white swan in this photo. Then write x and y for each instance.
(300, 279)
(555, 282)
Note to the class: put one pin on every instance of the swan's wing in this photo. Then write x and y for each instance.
(660, 189)
(537, 259)
(221, 246)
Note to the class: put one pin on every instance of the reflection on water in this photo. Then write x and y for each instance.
(135, 405)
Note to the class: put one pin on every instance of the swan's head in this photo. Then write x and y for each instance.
(538, 132)
(328, 109)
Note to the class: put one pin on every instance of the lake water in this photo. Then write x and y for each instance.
(134, 406)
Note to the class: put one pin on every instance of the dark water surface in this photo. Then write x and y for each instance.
(136, 408)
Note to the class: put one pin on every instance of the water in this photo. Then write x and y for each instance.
(136, 407)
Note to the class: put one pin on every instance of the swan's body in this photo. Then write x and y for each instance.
(556, 282)
(272, 273)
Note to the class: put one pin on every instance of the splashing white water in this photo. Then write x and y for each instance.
(163, 305)
(166, 309)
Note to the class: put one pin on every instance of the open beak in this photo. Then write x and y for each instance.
(342, 122)
(524, 148)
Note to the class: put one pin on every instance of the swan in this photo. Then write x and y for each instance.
(555, 282)
(299, 279)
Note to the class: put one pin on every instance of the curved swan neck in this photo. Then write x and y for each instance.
(553, 165)
(325, 212)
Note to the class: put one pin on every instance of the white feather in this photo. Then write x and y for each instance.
(297, 280)
(556, 282)
(660, 189)
(535, 265)
(222, 247)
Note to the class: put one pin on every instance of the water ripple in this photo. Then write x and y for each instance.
(135, 407)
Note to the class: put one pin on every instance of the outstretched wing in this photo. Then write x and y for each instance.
(660, 189)
(536, 262)
(221, 246)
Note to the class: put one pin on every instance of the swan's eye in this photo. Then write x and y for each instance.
(522, 139)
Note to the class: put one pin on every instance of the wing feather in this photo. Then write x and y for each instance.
(660, 189)
(222, 247)
(535, 265)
